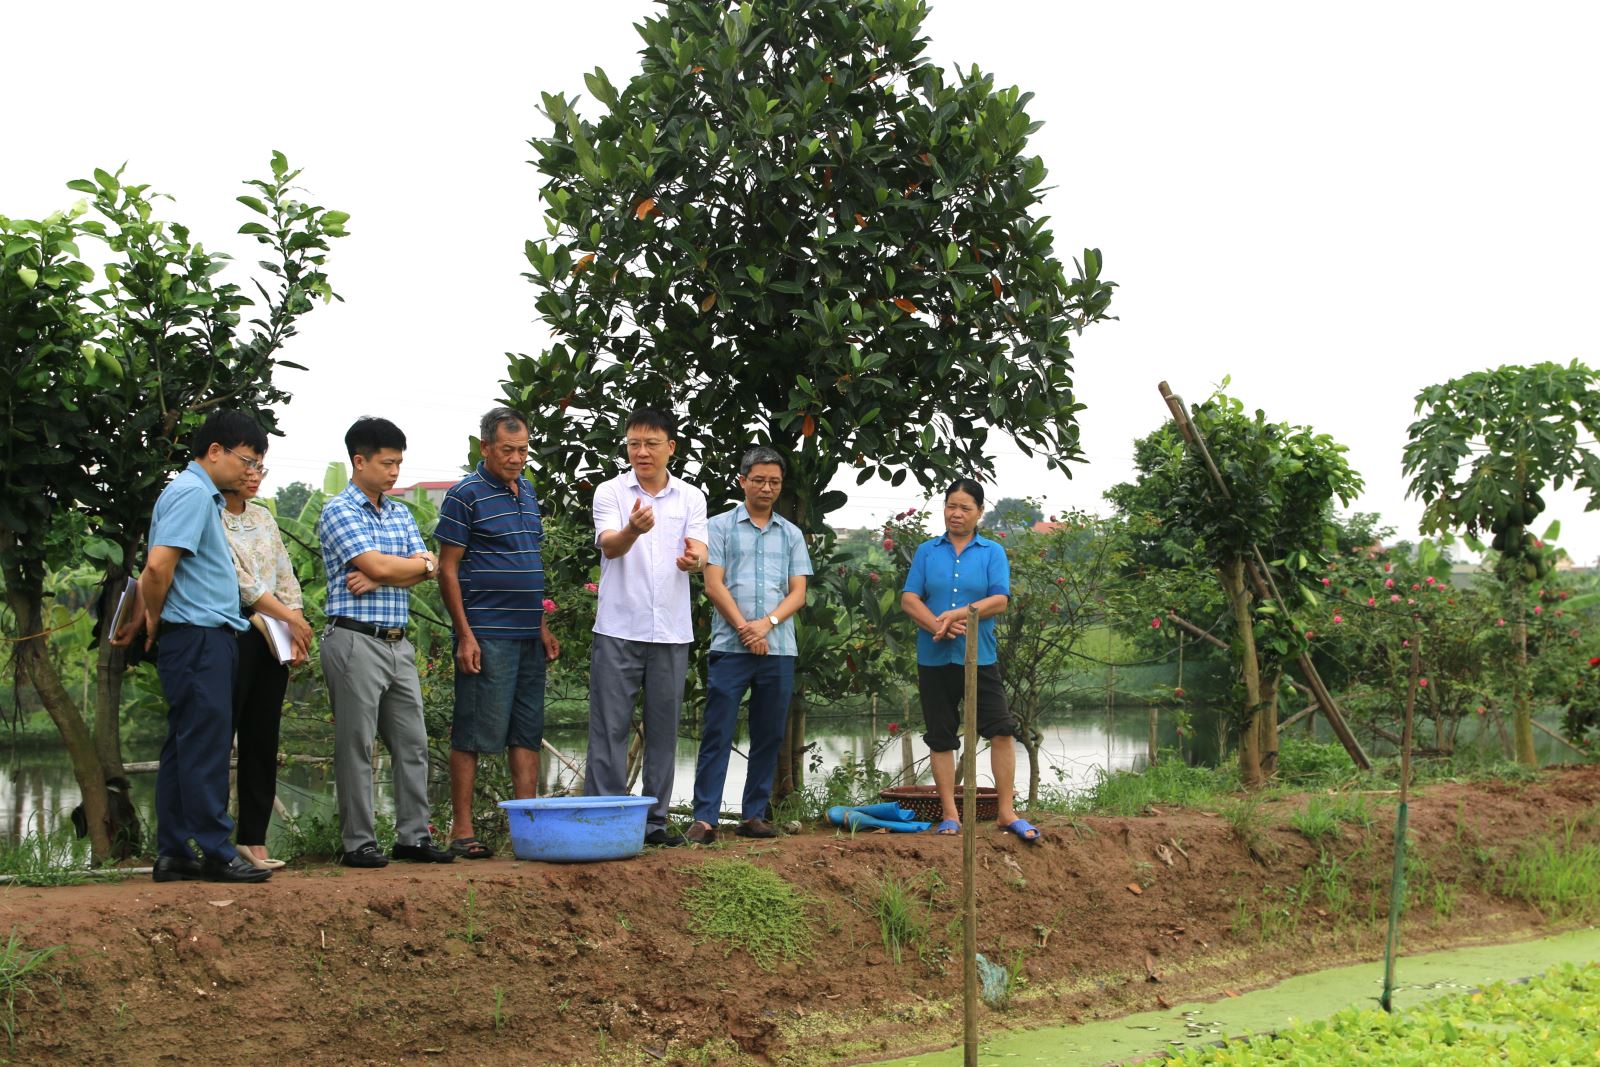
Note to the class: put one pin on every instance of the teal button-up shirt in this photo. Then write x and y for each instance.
(757, 564)
(945, 580)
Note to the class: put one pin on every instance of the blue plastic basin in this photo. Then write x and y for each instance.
(577, 829)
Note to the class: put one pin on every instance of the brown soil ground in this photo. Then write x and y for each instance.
(596, 963)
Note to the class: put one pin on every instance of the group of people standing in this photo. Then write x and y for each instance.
(217, 567)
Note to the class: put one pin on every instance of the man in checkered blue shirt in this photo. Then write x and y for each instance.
(373, 553)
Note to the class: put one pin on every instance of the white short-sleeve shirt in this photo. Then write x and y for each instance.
(643, 594)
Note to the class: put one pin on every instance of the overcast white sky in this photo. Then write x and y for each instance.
(1335, 204)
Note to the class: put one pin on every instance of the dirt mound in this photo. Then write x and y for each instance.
(504, 962)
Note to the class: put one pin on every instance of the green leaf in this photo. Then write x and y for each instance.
(29, 276)
(335, 478)
(254, 204)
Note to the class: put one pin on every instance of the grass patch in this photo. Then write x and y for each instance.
(903, 908)
(1249, 825)
(1556, 876)
(1316, 820)
(751, 908)
(316, 836)
(19, 966)
(59, 857)
(1547, 1020)
(1170, 782)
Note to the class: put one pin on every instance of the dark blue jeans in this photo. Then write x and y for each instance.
(196, 665)
(769, 681)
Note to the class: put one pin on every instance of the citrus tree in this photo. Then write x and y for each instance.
(793, 229)
(1283, 481)
(1481, 452)
(101, 388)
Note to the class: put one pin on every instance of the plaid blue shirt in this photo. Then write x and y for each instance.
(348, 526)
(757, 564)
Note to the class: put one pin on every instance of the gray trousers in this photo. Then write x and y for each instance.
(373, 687)
(618, 669)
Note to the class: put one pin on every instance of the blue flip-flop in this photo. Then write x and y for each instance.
(1024, 830)
(948, 827)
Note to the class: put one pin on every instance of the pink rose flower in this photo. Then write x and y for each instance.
(590, 587)
(1372, 602)
(1423, 682)
(1155, 624)
(1388, 583)
(1338, 618)
(549, 606)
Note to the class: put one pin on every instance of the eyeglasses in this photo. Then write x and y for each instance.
(249, 464)
(655, 445)
(766, 483)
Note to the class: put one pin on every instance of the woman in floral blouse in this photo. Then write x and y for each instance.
(267, 587)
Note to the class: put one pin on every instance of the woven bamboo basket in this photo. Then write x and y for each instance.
(924, 800)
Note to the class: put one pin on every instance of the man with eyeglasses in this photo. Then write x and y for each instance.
(651, 529)
(188, 596)
(491, 578)
(756, 579)
(373, 554)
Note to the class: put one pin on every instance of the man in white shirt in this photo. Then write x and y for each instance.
(651, 529)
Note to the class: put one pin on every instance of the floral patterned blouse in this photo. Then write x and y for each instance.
(259, 556)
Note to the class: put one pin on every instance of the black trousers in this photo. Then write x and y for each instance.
(257, 708)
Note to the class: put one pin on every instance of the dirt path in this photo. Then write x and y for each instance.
(503, 962)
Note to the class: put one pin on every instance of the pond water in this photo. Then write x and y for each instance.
(37, 790)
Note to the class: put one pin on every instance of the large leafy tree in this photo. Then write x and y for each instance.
(1482, 449)
(794, 229)
(101, 388)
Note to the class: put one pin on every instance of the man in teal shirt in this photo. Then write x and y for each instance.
(756, 579)
(189, 598)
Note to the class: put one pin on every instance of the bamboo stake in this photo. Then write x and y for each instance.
(969, 845)
(556, 752)
(1541, 726)
(1397, 885)
(1261, 578)
(1184, 624)
(1309, 709)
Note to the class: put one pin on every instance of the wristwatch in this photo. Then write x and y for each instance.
(773, 619)
(428, 563)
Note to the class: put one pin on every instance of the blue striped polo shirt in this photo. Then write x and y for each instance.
(502, 572)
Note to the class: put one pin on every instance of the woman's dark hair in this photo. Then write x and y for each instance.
(370, 435)
(230, 429)
(652, 419)
(969, 487)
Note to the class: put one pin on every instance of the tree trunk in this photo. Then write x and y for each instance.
(1250, 671)
(108, 680)
(1522, 707)
(1269, 726)
(791, 773)
(1032, 740)
(27, 609)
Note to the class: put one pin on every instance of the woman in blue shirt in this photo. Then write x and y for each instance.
(949, 574)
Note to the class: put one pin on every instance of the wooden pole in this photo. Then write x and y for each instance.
(1266, 588)
(969, 845)
(1397, 884)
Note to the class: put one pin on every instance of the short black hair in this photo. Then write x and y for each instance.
(370, 435)
(969, 487)
(652, 419)
(230, 429)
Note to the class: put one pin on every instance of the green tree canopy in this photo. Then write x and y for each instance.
(796, 230)
(1482, 449)
(1013, 513)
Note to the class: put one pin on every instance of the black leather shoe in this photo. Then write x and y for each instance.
(365, 856)
(423, 852)
(666, 837)
(232, 870)
(176, 869)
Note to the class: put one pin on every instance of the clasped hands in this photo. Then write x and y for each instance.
(753, 635)
(949, 625)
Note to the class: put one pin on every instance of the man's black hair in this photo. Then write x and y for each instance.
(230, 429)
(969, 487)
(370, 435)
(652, 419)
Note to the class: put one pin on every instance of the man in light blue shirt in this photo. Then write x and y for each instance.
(756, 579)
(189, 599)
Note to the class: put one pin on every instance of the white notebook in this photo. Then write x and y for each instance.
(277, 632)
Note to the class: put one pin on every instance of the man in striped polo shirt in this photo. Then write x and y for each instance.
(492, 581)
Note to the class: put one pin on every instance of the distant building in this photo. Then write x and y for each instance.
(434, 491)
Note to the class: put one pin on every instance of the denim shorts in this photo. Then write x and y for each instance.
(503, 704)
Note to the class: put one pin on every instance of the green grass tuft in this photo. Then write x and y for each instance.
(1557, 877)
(18, 967)
(751, 908)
